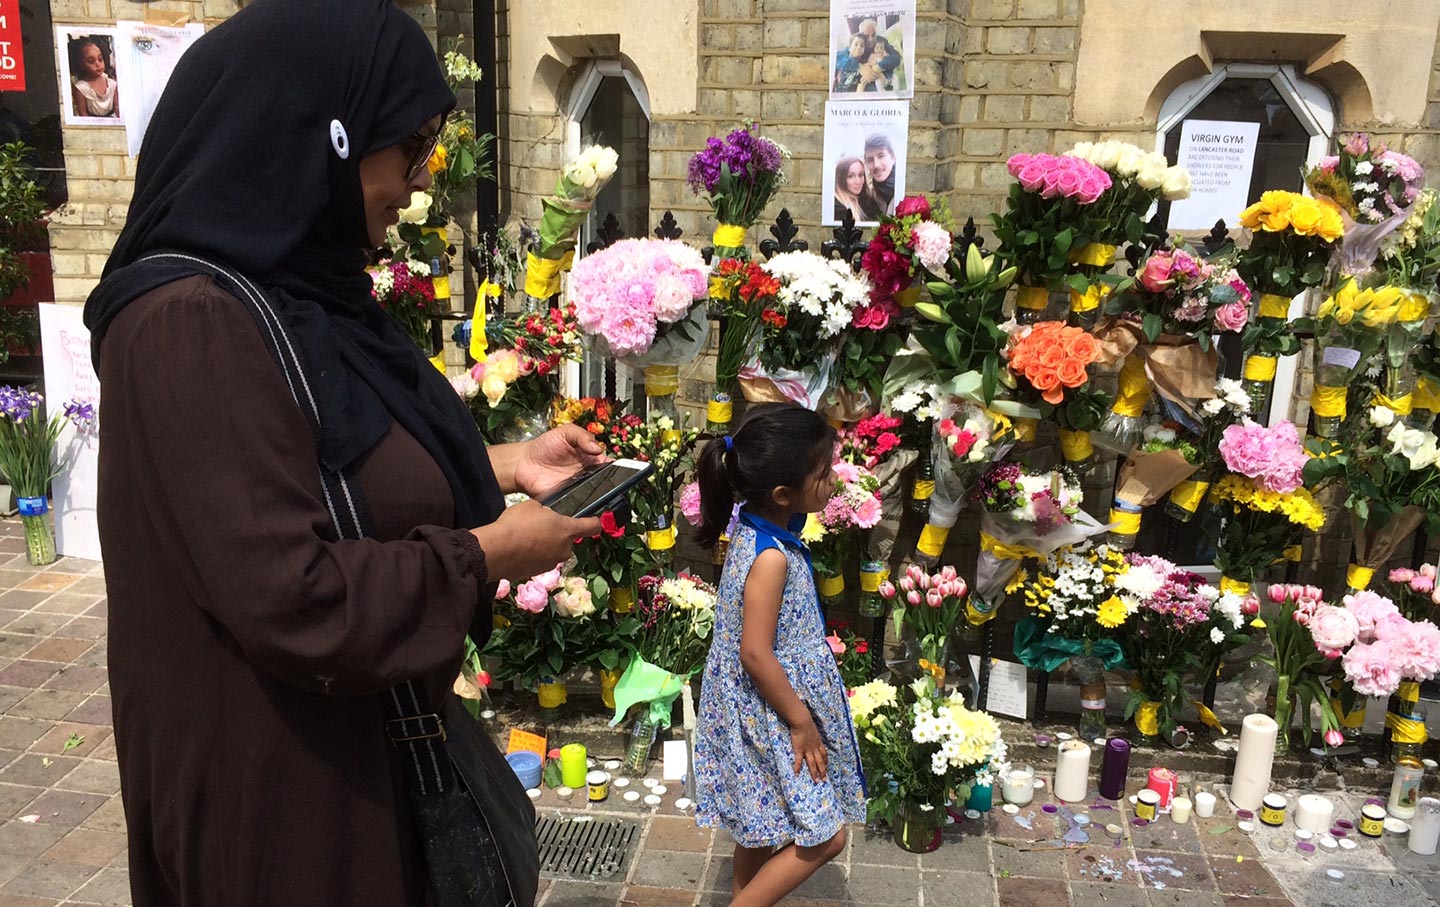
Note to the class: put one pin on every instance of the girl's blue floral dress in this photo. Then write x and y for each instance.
(744, 765)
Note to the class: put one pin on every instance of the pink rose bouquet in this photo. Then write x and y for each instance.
(548, 623)
(643, 297)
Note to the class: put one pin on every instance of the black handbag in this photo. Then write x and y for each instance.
(476, 822)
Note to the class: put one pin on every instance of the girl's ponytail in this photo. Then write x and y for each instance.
(717, 492)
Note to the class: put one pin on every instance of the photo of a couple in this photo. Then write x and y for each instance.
(865, 186)
(869, 55)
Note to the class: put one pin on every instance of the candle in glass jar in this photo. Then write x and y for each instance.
(1204, 804)
(1253, 761)
(1425, 828)
(1072, 771)
(1018, 785)
(1405, 788)
(1180, 810)
(1113, 769)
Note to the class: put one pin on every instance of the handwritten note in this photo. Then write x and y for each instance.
(69, 376)
(1008, 693)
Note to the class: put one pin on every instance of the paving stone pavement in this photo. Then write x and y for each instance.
(62, 833)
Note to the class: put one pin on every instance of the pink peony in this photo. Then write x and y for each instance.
(1416, 648)
(1273, 456)
(1333, 629)
(1401, 575)
(532, 596)
(1422, 584)
(1232, 316)
(502, 589)
(913, 204)
(836, 646)
(932, 244)
(1371, 669)
(1370, 610)
(690, 503)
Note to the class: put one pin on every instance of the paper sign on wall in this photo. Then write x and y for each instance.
(1221, 158)
(12, 53)
(1007, 694)
(70, 376)
(148, 57)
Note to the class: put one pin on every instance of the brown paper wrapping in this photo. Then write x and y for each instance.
(1374, 546)
(1146, 477)
(761, 390)
(1178, 369)
(846, 407)
(880, 540)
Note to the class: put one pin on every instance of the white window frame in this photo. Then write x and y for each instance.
(1316, 113)
(577, 105)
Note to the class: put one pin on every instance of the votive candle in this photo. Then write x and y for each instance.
(1180, 810)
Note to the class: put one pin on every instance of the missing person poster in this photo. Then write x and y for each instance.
(864, 164)
(89, 76)
(872, 49)
(1221, 159)
(148, 56)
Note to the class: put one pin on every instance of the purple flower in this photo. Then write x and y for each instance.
(18, 404)
(82, 414)
(748, 157)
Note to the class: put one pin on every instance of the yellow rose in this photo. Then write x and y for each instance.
(1414, 307)
(1332, 226)
(494, 388)
(437, 160)
(1250, 217)
(1305, 217)
(1275, 221)
(504, 364)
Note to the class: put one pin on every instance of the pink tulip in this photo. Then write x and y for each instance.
(1402, 575)
(924, 581)
(1427, 570)
(913, 573)
(934, 599)
(914, 597)
(888, 591)
(1334, 737)
(961, 589)
(948, 573)
(1251, 606)
(907, 584)
(1278, 593)
(1314, 593)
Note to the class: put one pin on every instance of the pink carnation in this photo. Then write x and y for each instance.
(932, 244)
(1370, 610)
(1371, 668)
(1333, 629)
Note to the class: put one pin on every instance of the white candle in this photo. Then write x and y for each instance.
(1253, 762)
(1018, 785)
(1425, 829)
(1180, 810)
(1204, 804)
(1313, 813)
(1072, 771)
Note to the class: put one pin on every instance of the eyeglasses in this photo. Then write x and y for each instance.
(424, 150)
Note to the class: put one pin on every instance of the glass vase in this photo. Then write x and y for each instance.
(1031, 304)
(1090, 674)
(524, 428)
(1333, 366)
(661, 383)
(719, 412)
(917, 827)
(637, 751)
(39, 539)
(1185, 500)
(872, 574)
(922, 488)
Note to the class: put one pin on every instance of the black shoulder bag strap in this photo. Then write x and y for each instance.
(451, 816)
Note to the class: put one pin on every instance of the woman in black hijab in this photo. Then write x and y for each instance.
(299, 521)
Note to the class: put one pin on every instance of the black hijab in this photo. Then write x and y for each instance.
(238, 167)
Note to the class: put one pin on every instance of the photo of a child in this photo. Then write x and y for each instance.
(90, 88)
(872, 52)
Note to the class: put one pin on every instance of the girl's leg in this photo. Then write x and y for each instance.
(746, 863)
(785, 871)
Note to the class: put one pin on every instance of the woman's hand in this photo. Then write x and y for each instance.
(808, 747)
(546, 463)
(529, 539)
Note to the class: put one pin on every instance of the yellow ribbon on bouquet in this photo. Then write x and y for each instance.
(542, 275)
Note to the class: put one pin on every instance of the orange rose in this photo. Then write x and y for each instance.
(1072, 373)
(1084, 348)
(1048, 384)
(1052, 356)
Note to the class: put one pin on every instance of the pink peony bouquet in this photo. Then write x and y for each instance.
(1274, 457)
(1388, 647)
(640, 293)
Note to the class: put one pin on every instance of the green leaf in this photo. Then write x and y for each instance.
(1152, 325)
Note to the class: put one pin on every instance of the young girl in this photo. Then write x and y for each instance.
(776, 762)
(93, 92)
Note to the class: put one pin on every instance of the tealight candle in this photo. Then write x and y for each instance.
(1204, 804)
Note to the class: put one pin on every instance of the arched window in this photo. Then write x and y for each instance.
(1297, 125)
(610, 106)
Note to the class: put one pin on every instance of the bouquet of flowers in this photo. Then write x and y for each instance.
(31, 458)
(739, 175)
(1229, 406)
(852, 655)
(1162, 461)
(1076, 601)
(1026, 514)
(1182, 629)
(916, 242)
(743, 289)
(594, 414)
(1392, 475)
(406, 292)
(534, 641)
(643, 297)
(965, 439)
(1053, 359)
(800, 327)
(1266, 504)
(921, 749)
(1391, 655)
(1138, 179)
(1350, 328)
(1374, 189)
(1414, 592)
(667, 446)
(930, 605)
(510, 391)
(614, 560)
(1307, 636)
(1051, 210)
(1410, 258)
(854, 505)
(677, 616)
(1292, 237)
(562, 214)
(875, 445)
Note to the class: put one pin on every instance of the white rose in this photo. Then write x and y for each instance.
(1108, 154)
(1085, 151)
(1176, 184)
(494, 388)
(1381, 416)
(1130, 162)
(606, 161)
(1150, 176)
(1426, 452)
(419, 210)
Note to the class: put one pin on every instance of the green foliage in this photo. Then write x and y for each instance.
(21, 205)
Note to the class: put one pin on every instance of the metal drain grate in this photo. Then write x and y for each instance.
(587, 848)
